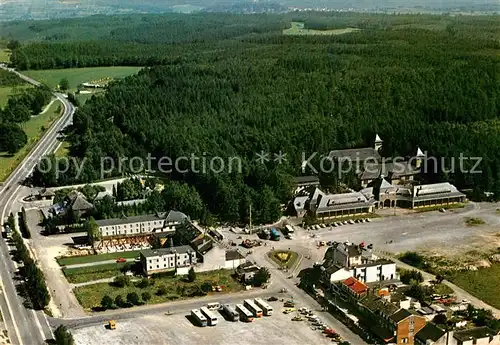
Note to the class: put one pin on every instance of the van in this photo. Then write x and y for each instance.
(112, 324)
(214, 306)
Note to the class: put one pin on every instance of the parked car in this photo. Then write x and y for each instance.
(121, 260)
(272, 299)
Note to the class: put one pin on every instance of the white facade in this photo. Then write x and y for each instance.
(169, 259)
(375, 272)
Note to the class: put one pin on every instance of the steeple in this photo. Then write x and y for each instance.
(418, 158)
(378, 142)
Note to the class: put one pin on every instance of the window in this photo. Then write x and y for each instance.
(157, 266)
(404, 340)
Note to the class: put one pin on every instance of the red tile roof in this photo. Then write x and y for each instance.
(355, 285)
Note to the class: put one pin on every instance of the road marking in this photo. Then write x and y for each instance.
(39, 326)
(18, 335)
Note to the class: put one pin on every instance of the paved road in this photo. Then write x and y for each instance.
(25, 326)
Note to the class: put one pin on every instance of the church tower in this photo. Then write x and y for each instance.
(378, 143)
(418, 158)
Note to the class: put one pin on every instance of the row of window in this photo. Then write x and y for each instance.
(170, 265)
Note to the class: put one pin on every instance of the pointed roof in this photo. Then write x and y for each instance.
(385, 184)
(377, 139)
(420, 153)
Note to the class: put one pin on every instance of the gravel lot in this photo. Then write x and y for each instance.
(178, 329)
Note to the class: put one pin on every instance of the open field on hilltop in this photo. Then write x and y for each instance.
(87, 274)
(34, 129)
(96, 258)
(76, 76)
(176, 287)
(298, 29)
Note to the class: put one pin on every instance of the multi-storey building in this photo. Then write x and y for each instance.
(178, 259)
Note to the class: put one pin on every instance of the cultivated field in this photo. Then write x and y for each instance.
(34, 129)
(77, 76)
(298, 29)
(178, 329)
(4, 55)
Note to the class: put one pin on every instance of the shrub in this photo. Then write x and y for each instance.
(133, 298)
(162, 290)
(106, 302)
(121, 281)
(143, 283)
(119, 301)
(146, 296)
(191, 275)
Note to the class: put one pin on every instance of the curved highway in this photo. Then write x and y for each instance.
(25, 326)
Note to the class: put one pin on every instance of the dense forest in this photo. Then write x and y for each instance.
(427, 81)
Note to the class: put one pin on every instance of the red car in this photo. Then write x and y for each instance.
(121, 260)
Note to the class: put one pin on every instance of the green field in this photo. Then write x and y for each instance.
(76, 76)
(4, 55)
(177, 287)
(34, 129)
(95, 258)
(298, 29)
(482, 283)
(63, 150)
(6, 91)
(87, 274)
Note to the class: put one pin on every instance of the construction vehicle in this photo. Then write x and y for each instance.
(112, 324)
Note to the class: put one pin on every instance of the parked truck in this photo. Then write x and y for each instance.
(275, 235)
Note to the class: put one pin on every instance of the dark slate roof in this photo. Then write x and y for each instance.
(165, 251)
(233, 255)
(175, 216)
(359, 154)
(474, 333)
(133, 219)
(80, 204)
(400, 315)
(431, 332)
(47, 192)
(306, 180)
(393, 169)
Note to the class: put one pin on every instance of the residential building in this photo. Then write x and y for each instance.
(344, 260)
(302, 182)
(234, 259)
(359, 156)
(432, 335)
(246, 272)
(385, 320)
(178, 259)
(476, 336)
(146, 224)
(76, 202)
(45, 194)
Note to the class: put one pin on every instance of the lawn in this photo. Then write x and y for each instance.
(298, 29)
(34, 129)
(176, 288)
(283, 257)
(77, 76)
(4, 55)
(87, 274)
(482, 283)
(95, 258)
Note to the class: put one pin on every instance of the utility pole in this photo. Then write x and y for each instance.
(250, 216)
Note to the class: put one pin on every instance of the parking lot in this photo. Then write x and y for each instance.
(178, 329)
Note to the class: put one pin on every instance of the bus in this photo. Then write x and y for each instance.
(256, 311)
(266, 308)
(230, 312)
(199, 317)
(212, 319)
(245, 314)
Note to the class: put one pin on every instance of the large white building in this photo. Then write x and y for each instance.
(178, 259)
(344, 260)
(147, 224)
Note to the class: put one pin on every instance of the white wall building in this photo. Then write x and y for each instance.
(178, 259)
(344, 260)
